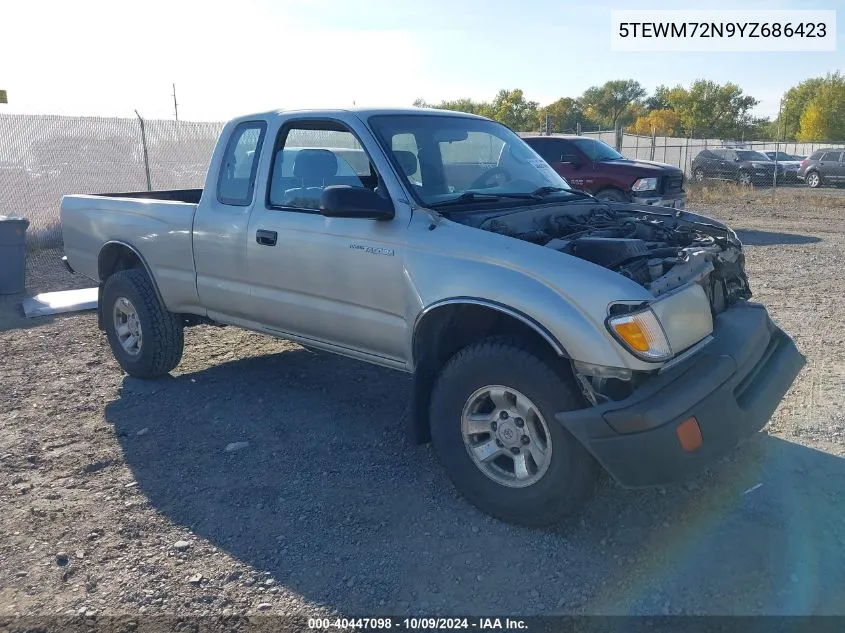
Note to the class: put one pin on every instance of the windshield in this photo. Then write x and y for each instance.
(443, 158)
(780, 156)
(746, 155)
(597, 150)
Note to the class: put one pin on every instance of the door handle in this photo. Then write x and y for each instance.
(266, 238)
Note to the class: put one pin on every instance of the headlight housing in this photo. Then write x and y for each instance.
(641, 334)
(645, 184)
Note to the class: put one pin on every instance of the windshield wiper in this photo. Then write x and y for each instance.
(481, 196)
(466, 196)
(542, 192)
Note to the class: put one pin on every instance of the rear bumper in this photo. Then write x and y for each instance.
(675, 201)
(731, 387)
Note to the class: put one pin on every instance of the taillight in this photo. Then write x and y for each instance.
(804, 162)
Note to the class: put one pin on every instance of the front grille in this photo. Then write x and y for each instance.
(673, 184)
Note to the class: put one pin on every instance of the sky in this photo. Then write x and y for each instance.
(110, 58)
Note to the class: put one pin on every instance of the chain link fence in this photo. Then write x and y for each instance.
(43, 158)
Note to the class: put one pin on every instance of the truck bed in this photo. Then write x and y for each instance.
(157, 225)
(167, 195)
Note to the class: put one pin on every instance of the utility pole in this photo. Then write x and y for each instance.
(777, 149)
(175, 105)
(146, 155)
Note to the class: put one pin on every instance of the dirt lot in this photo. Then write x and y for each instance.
(119, 497)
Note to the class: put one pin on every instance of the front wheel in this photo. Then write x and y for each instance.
(698, 175)
(493, 429)
(611, 195)
(145, 338)
(744, 178)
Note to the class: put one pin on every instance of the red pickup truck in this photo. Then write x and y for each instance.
(595, 167)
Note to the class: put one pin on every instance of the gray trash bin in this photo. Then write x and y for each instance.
(12, 254)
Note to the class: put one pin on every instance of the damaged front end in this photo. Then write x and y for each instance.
(660, 251)
(686, 261)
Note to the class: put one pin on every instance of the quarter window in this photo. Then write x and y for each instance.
(236, 182)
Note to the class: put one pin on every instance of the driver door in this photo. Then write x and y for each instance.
(566, 160)
(336, 281)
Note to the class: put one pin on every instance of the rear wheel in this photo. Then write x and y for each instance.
(493, 429)
(813, 179)
(698, 175)
(145, 338)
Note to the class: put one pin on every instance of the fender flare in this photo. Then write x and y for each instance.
(493, 305)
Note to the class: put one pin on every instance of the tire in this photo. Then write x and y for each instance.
(611, 195)
(813, 179)
(158, 333)
(698, 175)
(570, 473)
(744, 178)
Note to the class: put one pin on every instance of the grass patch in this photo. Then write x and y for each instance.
(723, 192)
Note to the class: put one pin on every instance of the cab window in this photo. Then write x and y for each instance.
(312, 155)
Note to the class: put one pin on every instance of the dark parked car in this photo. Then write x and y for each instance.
(595, 167)
(741, 165)
(790, 163)
(823, 167)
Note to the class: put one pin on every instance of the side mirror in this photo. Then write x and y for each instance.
(570, 159)
(343, 201)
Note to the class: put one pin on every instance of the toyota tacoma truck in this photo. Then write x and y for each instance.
(594, 166)
(548, 333)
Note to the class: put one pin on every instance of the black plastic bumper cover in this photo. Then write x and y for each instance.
(732, 387)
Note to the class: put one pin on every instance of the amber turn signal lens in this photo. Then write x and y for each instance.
(689, 435)
(632, 334)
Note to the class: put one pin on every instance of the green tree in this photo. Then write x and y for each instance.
(611, 103)
(824, 117)
(514, 110)
(760, 129)
(564, 115)
(795, 102)
(711, 109)
(465, 105)
(509, 107)
(659, 100)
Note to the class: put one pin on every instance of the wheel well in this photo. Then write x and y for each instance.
(115, 257)
(444, 331)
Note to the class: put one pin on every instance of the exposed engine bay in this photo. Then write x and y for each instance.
(660, 251)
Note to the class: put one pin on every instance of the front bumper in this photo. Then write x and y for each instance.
(675, 201)
(732, 387)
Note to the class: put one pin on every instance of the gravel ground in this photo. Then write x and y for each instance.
(264, 477)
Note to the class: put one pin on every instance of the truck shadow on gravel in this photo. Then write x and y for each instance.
(332, 501)
(755, 237)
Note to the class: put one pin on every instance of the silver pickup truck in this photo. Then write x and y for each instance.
(547, 332)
